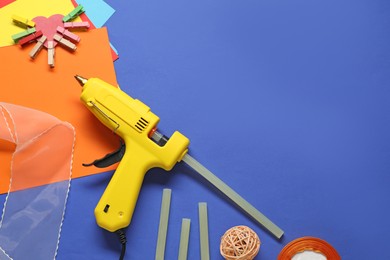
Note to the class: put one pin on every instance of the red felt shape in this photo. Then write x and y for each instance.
(48, 26)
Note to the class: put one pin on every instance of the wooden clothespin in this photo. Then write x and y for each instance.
(18, 36)
(68, 35)
(72, 15)
(30, 38)
(77, 25)
(37, 48)
(64, 42)
(22, 22)
(50, 53)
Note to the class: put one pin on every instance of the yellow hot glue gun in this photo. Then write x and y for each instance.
(145, 148)
(133, 122)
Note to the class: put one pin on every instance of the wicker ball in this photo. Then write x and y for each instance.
(239, 243)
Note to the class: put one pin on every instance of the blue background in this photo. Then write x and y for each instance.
(286, 101)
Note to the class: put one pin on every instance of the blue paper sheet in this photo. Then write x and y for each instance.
(97, 10)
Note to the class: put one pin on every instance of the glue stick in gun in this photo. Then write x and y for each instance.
(144, 148)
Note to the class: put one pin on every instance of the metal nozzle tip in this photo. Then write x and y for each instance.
(81, 80)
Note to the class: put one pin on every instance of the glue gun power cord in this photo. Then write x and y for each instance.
(122, 238)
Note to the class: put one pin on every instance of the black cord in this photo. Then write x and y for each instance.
(122, 256)
(122, 238)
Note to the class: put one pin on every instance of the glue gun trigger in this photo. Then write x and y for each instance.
(110, 158)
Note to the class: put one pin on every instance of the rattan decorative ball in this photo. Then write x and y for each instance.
(239, 243)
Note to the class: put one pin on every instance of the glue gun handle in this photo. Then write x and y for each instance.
(116, 206)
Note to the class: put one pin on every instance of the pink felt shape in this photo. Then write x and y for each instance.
(48, 26)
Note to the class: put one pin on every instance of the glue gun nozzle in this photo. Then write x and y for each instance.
(81, 80)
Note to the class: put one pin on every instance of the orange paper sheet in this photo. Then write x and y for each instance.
(32, 83)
